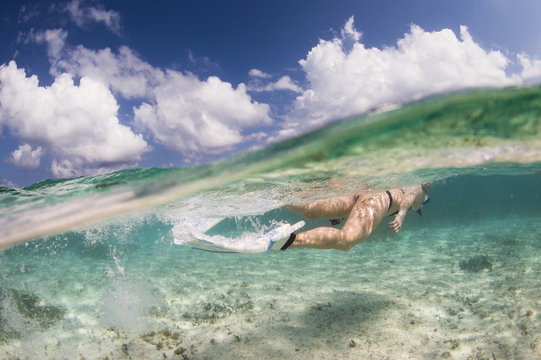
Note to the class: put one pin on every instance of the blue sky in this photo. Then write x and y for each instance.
(88, 87)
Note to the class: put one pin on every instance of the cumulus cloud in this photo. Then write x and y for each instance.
(54, 38)
(76, 125)
(350, 32)
(285, 83)
(83, 16)
(123, 72)
(26, 158)
(260, 82)
(347, 80)
(259, 74)
(531, 68)
(180, 111)
(192, 116)
(200, 117)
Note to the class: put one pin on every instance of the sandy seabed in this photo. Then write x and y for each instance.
(454, 292)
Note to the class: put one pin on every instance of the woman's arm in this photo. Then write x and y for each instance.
(395, 225)
(406, 201)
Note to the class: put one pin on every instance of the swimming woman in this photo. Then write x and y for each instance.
(364, 213)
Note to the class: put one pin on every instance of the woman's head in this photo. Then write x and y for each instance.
(421, 198)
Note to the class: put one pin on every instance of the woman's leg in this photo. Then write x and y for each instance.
(335, 208)
(365, 216)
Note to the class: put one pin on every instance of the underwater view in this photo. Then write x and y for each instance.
(95, 267)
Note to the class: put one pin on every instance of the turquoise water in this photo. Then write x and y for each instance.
(90, 270)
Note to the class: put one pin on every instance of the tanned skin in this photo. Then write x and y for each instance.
(364, 213)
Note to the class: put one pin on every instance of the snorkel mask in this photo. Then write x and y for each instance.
(419, 211)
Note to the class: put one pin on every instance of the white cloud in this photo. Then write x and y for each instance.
(349, 31)
(55, 39)
(76, 125)
(26, 158)
(284, 83)
(200, 117)
(84, 16)
(123, 72)
(180, 111)
(531, 68)
(348, 80)
(259, 74)
(260, 82)
(184, 113)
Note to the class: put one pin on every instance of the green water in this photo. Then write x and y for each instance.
(462, 281)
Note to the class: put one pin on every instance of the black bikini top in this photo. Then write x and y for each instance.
(391, 202)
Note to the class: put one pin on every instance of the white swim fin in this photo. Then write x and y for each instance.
(279, 236)
(182, 232)
(272, 240)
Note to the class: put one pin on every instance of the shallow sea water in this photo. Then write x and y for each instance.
(461, 282)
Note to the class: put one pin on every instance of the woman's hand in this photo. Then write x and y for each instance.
(396, 224)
